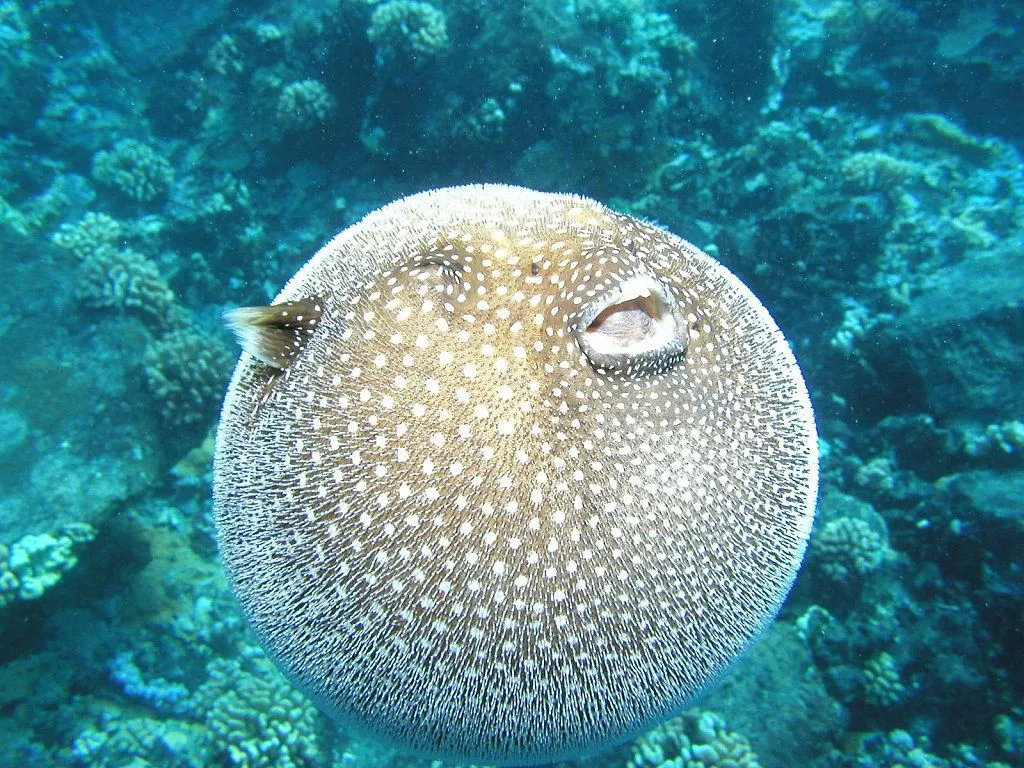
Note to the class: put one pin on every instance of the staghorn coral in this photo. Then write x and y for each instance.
(37, 562)
(408, 29)
(127, 281)
(848, 547)
(256, 718)
(186, 371)
(303, 104)
(135, 169)
(883, 686)
(696, 739)
(93, 231)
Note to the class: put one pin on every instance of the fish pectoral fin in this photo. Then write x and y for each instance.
(275, 334)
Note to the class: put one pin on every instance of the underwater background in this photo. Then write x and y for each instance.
(857, 164)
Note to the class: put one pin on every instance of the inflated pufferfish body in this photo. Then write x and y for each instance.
(507, 476)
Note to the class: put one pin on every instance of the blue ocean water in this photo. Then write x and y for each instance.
(858, 165)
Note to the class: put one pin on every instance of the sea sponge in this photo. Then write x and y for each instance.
(37, 562)
(187, 371)
(848, 546)
(303, 104)
(696, 739)
(135, 169)
(883, 686)
(90, 233)
(127, 281)
(413, 30)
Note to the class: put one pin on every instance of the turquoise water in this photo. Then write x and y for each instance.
(858, 165)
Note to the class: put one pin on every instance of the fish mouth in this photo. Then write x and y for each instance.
(636, 327)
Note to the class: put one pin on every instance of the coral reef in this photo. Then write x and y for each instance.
(883, 686)
(848, 548)
(37, 562)
(94, 231)
(303, 105)
(408, 29)
(135, 169)
(186, 372)
(859, 164)
(127, 281)
(697, 739)
(256, 718)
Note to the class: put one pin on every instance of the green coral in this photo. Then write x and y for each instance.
(304, 104)
(37, 562)
(90, 233)
(411, 29)
(135, 169)
(877, 172)
(883, 686)
(187, 371)
(127, 281)
(848, 547)
(696, 739)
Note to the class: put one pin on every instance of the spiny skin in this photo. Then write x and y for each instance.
(458, 533)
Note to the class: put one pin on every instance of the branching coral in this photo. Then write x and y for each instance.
(37, 562)
(140, 742)
(135, 169)
(848, 547)
(304, 104)
(87, 235)
(127, 281)
(257, 718)
(409, 29)
(186, 371)
(693, 740)
(883, 686)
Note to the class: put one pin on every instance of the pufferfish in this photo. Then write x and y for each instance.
(509, 477)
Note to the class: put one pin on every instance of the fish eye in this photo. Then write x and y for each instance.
(437, 273)
(637, 326)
